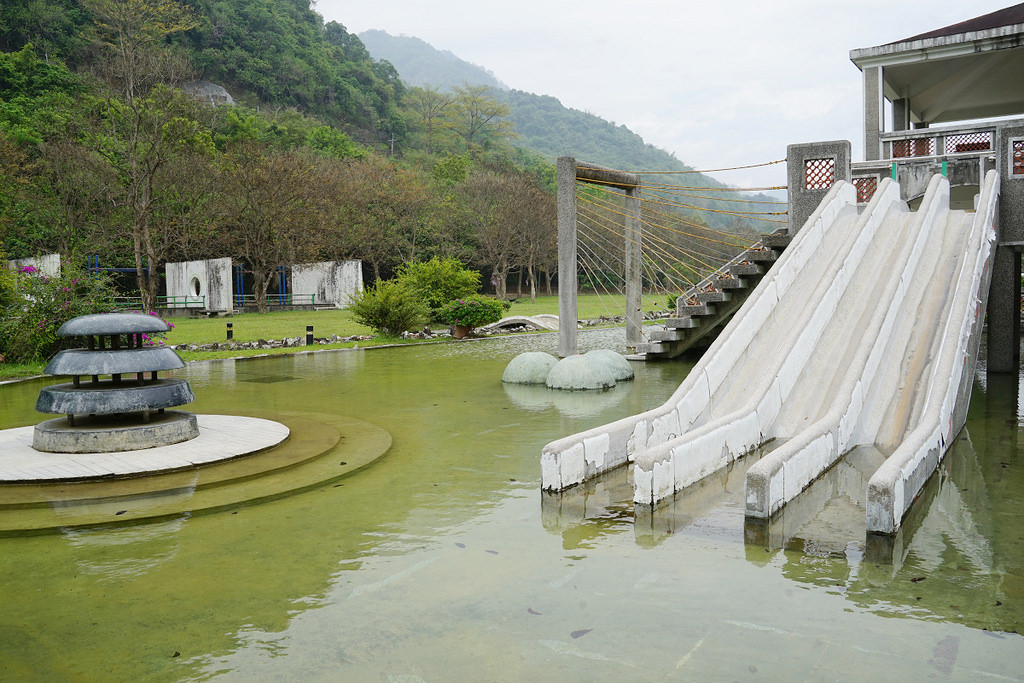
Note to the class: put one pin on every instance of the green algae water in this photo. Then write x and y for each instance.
(443, 561)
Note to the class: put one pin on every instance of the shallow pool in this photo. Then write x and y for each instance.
(443, 561)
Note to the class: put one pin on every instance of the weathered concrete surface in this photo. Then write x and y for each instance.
(110, 398)
(614, 361)
(804, 200)
(110, 324)
(835, 347)
(332, 283)
(946, 384)
(106, 435)
(544, 321)
(48, 265)
(199, 284)
(221, 437)
(569, 460)
(85, 362)
(531, 367)
(579, 373)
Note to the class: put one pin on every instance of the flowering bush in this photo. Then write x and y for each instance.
(155, 338)
(439, 280)
(473, 311)
(39, 305)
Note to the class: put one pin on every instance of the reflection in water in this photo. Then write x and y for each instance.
(828, 516)
(537, 397)
(952, 537)
(438, 563)
(139, 549)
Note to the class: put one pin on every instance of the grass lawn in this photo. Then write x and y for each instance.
(254, 326)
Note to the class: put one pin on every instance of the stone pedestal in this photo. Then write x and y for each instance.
(116, 401)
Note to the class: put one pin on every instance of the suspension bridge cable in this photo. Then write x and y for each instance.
(715, 170)
(668, 256)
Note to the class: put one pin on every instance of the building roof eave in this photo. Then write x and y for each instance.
(940, 47)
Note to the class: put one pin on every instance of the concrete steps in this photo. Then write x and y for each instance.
(703, 310)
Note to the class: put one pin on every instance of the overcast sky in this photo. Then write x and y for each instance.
(718, 83)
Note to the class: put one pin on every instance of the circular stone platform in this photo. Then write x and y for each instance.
(110, 434)
(321, 448)
(221, 437)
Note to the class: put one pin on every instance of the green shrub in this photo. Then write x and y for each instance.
(29, 322)
(670, 301)
(388, 308)
(439, 281)
(472, 311)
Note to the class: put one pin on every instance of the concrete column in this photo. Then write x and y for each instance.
(567, 282)
(901, 114)
(634, 269)
(802, 199)
(874, 113)
(1003, 317)
(1005, 290)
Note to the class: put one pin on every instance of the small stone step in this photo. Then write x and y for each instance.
(682, 323)
(762, 256)
(713, 296)
(653, 348)
(690, 310)
(667, 335)
(730, 283)
(746, 269)
(777, 240)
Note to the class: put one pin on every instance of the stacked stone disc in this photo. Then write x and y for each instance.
(116, 400)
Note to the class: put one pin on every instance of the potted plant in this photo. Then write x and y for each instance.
(473, 311)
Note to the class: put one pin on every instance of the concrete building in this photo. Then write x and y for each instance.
(967, 77)
(956, 75)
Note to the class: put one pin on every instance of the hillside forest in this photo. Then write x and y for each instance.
(111, 145)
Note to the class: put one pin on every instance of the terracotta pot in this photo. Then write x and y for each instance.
(461, 331)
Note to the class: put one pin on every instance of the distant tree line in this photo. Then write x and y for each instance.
(102, 151)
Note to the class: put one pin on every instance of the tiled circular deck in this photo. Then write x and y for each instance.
(221, 437)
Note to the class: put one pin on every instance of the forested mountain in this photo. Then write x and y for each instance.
(327, 154)
(542, 123)
(276, 53)
(420, 64)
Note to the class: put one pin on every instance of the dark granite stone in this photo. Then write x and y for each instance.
(112, 323)
(108, 398)
(109, 362)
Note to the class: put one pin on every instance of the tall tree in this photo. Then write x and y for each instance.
(535, 215)
(431, 112)
(73, 198)
(383, 213)
(496, 239)
(144, 126)
(272, 211)
(133, 32)
(480, 119)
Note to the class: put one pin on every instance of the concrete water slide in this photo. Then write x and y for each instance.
(864, 333)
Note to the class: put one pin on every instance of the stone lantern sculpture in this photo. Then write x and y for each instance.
(115, 401)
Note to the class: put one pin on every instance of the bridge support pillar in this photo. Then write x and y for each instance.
(634, 270)
(566, 179)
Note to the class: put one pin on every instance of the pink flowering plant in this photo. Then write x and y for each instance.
(472, 311)
(155, 338)
(38, 305)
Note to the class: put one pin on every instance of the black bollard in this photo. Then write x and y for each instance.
(309, 335)
(231, 332)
